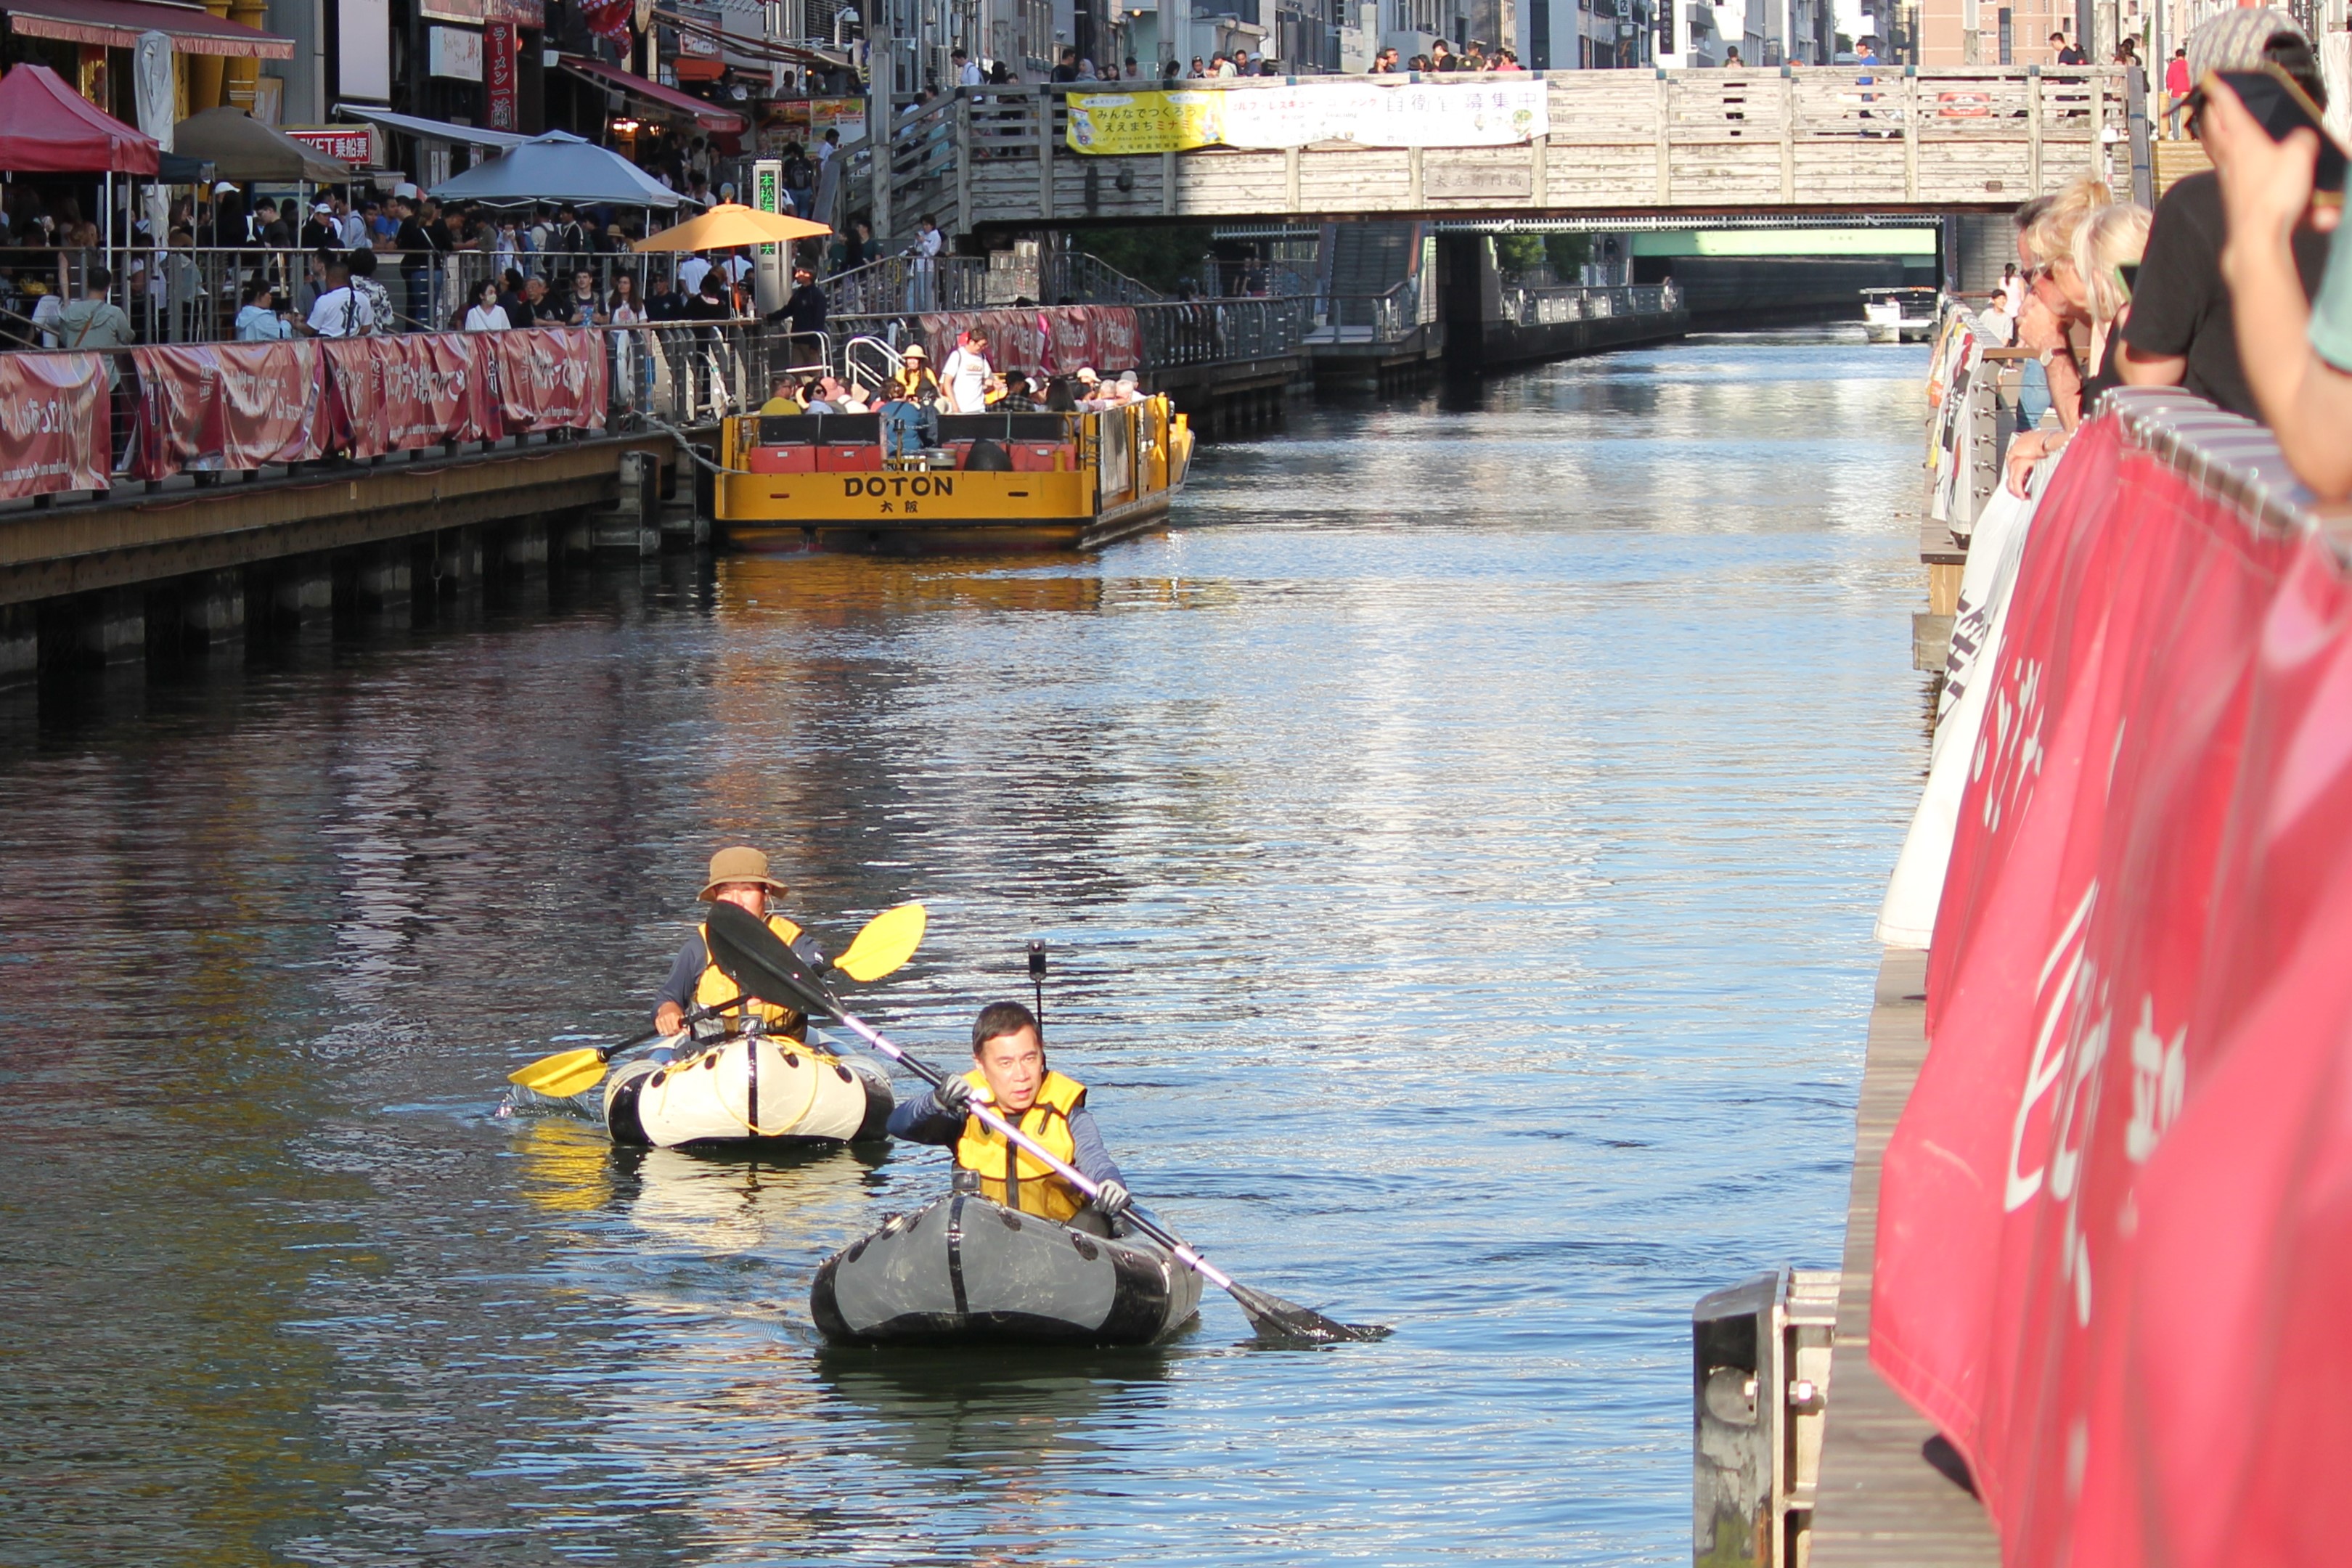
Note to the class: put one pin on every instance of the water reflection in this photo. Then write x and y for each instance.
(1459, 873)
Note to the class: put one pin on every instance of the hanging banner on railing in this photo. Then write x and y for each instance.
(1118, 341)
(56, 424)
(398, 393)
(2111, 1242)
(1059, 340)
(216, 408)
(1409, 114)
(550, 379)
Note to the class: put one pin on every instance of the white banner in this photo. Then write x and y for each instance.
(1411, 114)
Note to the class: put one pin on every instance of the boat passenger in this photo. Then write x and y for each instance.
(783, 401)
(915, 374)
(909, 425)
(1009, 1073)
(738, 876)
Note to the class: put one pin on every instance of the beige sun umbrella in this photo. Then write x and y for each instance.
(732, 224)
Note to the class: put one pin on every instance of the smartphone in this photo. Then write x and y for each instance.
(2280, 105)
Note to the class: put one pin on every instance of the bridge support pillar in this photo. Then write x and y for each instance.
(683, 525)
(379, 581)
(458, 560)
(299, 589)
(20, 642)
(629, 528)
(106, 627)
(1463, 269)
(523, 546)
(202, 613)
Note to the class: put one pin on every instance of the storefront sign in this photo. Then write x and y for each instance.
(56, 429)
(1410, 114)
(846, 115)
(363, 49)
(453, 53)
(500, 43)
(354, 145)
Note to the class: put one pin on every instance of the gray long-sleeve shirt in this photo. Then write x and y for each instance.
(921, 1121)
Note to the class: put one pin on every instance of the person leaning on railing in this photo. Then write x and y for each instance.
(2089, 283)
(2180, 331)
(2300, 373)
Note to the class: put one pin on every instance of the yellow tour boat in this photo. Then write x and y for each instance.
(986, 482)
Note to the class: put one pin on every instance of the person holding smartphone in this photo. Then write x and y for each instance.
(2181, 332)
(2301, 381)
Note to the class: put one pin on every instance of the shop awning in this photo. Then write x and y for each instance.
(117, 24)
(669, 100)
(45, 127)
(434, 130)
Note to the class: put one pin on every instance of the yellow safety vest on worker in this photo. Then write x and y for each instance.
(1011, 1175)
(714, 987)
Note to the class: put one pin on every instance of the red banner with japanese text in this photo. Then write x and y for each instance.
(215, 407)
(1119, 339)
(549, 378)
(399, 393)
(498, 50)
(1059, 340)
(56, 425)
(2137, 916)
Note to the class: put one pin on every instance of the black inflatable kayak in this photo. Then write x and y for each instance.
(965, 1270)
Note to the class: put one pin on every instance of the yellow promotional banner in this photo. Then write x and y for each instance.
(1123, 123)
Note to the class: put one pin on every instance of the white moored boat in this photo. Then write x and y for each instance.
(748, 1089)
(1898, 315)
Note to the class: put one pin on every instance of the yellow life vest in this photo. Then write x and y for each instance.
(714, 987)
(1009, 1174)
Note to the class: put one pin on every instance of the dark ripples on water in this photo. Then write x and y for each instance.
(1458, 860)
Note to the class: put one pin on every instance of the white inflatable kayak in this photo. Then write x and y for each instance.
(749, 1090)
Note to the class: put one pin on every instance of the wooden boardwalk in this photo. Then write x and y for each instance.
(1891, 1494)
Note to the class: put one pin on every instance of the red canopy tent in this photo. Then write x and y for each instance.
(47, 128)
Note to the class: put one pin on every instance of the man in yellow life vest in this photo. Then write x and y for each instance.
(1010, 1076)
(738, 876)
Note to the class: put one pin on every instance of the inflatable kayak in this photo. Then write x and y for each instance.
(965, 1270)
(755, 1090)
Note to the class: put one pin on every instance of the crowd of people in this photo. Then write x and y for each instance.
(234, 264)
(2233, 288)
(912, 401)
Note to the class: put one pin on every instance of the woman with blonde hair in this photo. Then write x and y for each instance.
(2085, 286)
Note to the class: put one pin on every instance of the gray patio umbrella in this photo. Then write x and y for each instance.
(243, 149)
(557, 167)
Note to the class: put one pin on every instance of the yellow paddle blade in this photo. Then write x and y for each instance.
(564, 1074)
(888, 939)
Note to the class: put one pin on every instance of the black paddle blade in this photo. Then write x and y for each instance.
(760, 964)
(1288, 1325)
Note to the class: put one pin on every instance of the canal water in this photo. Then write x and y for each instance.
(1458, 843)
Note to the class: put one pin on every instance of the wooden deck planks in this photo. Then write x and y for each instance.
(1881, 1502)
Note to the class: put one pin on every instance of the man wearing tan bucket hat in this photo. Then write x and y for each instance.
(738, 876)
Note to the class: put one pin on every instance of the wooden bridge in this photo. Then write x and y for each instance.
(1798, 139)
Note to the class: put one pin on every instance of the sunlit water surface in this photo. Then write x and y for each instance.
(1457, 843)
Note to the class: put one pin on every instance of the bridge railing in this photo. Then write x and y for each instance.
(1169, 334)
(1575, 302)
(1807, 138)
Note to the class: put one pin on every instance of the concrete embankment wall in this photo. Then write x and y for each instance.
(1728, 293)
(1505, 345)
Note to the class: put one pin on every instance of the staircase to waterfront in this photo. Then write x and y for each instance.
(1370, 282)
